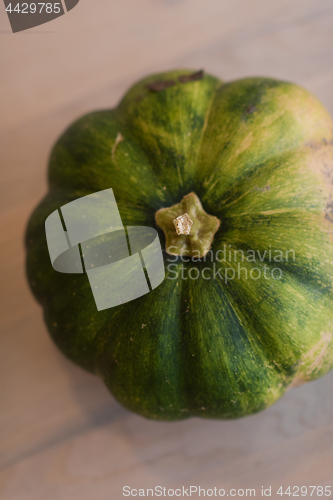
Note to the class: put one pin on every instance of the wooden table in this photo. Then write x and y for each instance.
(62, 436)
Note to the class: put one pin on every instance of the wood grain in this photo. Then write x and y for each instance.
(62, 436)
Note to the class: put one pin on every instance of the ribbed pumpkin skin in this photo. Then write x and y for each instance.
(259, 154)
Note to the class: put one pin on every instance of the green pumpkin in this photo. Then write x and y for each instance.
(245, 311)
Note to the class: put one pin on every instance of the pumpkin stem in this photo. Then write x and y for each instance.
(188, 229)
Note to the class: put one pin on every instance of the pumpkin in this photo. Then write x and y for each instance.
(245, 309)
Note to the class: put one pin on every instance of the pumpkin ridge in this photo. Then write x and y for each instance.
(263, 176)
(231, 142)
(222, 377)
(65, 160)
(255, 316)
(169, 125)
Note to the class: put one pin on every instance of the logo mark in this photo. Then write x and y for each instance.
(25, 15)
(122, 263)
